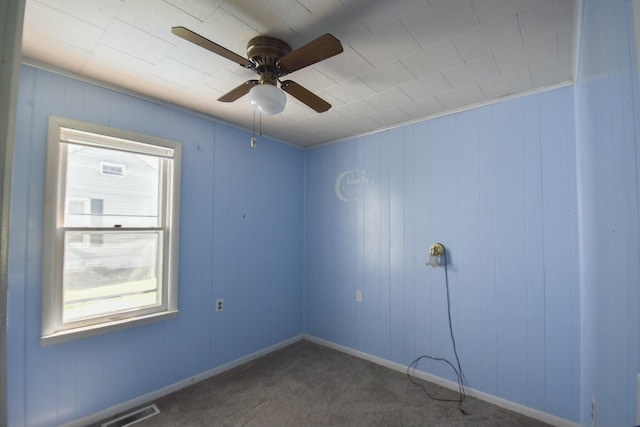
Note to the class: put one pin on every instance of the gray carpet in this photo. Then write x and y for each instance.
(306, 384)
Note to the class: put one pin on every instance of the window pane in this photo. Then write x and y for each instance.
(99, 197)
(110, 272)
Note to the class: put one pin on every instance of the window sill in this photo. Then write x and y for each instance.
(101, 328)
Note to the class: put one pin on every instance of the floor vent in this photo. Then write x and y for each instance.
(133, 417)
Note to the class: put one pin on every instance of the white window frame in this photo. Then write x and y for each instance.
(61, 133)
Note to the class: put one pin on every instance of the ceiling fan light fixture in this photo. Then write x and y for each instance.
(267, 99)
(271, 58)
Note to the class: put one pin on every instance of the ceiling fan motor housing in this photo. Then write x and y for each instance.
(265, 51)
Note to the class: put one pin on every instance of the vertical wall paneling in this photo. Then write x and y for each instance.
(535, 251)
(631, 131)
(468, 253)
(333, 241)
(488, 250)
(418, 330)
(494, 185)
(442, 216)
(10, 41)
(398, 221)
(543, 267)
(241, 240)
(16, 272)
(384, 348)
(633, 165)
(370, 315)
(412, 249)
(557, 214)
(606, 106)
(511, 290)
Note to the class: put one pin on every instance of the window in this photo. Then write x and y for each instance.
(110, 255)
(107, 168)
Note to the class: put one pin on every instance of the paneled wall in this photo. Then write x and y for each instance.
(496, 186)
(539, 214)
(241, 240)
(607, 123)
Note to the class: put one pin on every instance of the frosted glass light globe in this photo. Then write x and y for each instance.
(267, 99)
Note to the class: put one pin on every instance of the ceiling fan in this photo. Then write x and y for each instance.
(272, 59)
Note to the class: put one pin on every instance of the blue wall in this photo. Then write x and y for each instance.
(496, 186)
(536, 200)
(241, 240)
(607, 120)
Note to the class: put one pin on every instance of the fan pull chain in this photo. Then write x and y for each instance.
(254, 140)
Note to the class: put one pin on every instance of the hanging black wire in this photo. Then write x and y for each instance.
(462, 395)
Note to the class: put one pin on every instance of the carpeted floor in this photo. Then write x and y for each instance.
(306, 384)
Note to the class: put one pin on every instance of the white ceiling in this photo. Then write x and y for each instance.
(403, 60)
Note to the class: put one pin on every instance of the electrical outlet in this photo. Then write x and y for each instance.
(358, 296)
(219, 304)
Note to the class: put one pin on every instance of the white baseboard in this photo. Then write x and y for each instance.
(125, 406)
(114, 410)
(503, 403)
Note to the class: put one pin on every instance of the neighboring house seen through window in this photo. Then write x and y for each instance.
(111, 230)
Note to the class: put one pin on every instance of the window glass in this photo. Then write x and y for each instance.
(130, 200)
(120, 274)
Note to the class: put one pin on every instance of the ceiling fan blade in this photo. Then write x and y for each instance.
(305, 96)
(238, 92)
(194, 38)
(316, 50)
